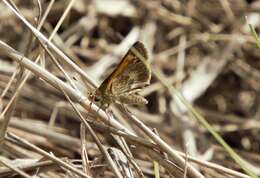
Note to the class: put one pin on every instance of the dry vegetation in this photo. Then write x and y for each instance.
(202, 49)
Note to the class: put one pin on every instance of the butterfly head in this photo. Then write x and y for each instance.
(97, 98)
(94, 96)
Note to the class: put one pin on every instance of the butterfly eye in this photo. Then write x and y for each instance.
(96, 99)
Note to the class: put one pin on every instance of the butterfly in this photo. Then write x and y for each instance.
(122, 86)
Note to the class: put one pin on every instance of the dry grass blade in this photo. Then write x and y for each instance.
(20, 83)
(15, 169)
(50, 45)
(57, 83)
(95, 138)
(244, 165)
(49, 156)
(84, 156)
(193, 171)
(164, 146)
(205, 49)
(42, 166)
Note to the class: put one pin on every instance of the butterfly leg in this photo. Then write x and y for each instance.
(125, 108)
(135, 90)
(109, 114)
(88, 113)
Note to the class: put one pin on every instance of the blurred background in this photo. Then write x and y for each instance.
(203, 48)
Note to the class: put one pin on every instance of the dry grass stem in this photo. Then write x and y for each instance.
(204, 59)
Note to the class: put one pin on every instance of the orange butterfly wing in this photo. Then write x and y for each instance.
(131, 72)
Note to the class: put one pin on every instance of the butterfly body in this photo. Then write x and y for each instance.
(123, 84)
